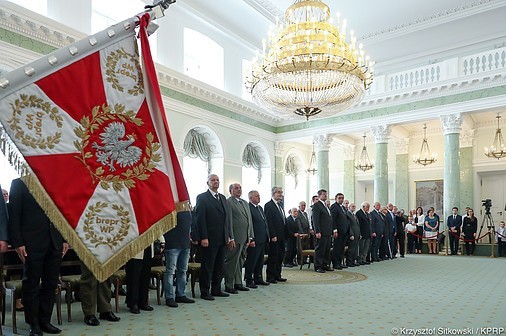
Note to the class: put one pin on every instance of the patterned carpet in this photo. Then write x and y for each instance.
(310, 277)
(415, 292)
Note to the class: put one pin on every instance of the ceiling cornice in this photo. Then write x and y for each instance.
(266, 8)
(452, 14)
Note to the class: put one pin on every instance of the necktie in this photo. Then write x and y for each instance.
(261, 212)
(217, 197)
(281, 210)
(454, 217)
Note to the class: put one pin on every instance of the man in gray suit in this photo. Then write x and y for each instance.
(354, 237)
(242, 227)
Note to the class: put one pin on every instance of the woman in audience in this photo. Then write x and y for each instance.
(431, 230)
(469, 228)
(419, 220)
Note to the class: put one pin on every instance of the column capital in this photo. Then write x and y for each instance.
(349, 152)
(466, 138)
(451, 123)
(279, 148)
(402, 146)
(381, 133)
(323, 141)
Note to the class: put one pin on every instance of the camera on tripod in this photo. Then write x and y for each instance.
(487, 203)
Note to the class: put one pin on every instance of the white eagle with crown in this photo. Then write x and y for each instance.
(114, 149)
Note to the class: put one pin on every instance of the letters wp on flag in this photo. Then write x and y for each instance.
(86, 128)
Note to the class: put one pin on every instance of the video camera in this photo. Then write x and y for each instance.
(487, 203)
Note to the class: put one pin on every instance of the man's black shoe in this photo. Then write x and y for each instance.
(241, 288)
(350, 265)
(229, 290)
(171, 303)
(109, 316)
(220, 294)
(91, 320)
(280, 279)
(146, 308)
(330, 269)
(251, 284)
(184, 299)
(122, 291)
(261, 283)
(207, 296)
(344, 266)
(36, 332)
(288, 265)
(49, 328)
(319, 270)
(271, 281)
(135, 309)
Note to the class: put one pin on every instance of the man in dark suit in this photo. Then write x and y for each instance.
(378, 230)
(308, 242)
(400, 234)
(212, 217)
(40, 247)
(255, 259)
(391, 249)
(242, 227)
(454, 223)
(354, 237)
(364, 220)
(4, 223)
(322, 224)
(275, 217)
(342, 225)
(294, 230)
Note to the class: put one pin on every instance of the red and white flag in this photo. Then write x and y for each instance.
(97, 155)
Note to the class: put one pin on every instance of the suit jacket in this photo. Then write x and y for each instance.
(354, 226)
(377, 223)
(400, 223)
(339, 219)
(212, 218)
(240, 216)
(364, 220)
(4, 220)
(322, 219)
(304, 222)
(454, 223)
(391, 225)
(28, 224)
(260, 228)
(275, 221)
(293, 226)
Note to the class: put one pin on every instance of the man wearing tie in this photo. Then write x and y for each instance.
(212, 218)
(242, 227)
(454, 223)
(322, 224)
(341, 226)
(364, 221)
(378, 229)
(354, 237)
(255, 259)
(275, 217)
(294, 229)
(306, 227)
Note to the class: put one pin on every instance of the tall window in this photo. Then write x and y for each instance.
(256, 172)
(203, 58)
(295, 185)
(7, 173)
(106, 13)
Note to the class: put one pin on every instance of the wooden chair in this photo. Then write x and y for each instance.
(118, 279)
(303, 252)
(193, 271)
(70, 283)
(157, 273)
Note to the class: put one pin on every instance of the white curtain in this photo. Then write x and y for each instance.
(196, 146)
(252, 159)
(292, 167)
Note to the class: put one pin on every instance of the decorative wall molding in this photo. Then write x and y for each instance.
(466, 138)
(402, 146)
(381, 133)
(279, 149)
(451, 123)
(266, 8)
(349, 152)
(323, 141)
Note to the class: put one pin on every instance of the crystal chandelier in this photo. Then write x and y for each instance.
(497, 150)
(425, 157)
(309, 67)
(364, 164)
(312, 163)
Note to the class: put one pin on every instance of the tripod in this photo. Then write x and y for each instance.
(490, 227)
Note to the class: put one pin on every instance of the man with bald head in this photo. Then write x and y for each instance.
(242, 227)
(212, 218)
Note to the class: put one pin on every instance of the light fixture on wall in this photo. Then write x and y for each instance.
(311, 169)
(497, 150)
(364, 164)
(425, 157)
(309, 68)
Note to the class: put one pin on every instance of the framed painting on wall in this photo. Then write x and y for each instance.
(430, 193)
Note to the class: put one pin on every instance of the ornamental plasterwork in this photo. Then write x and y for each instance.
(266, 8)
(381, 133)
(451, 123)
(466, 138)
(441, 16)
(349, 152)
(279, 148)
(323, 141)
(401, 146)
(39, 31)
